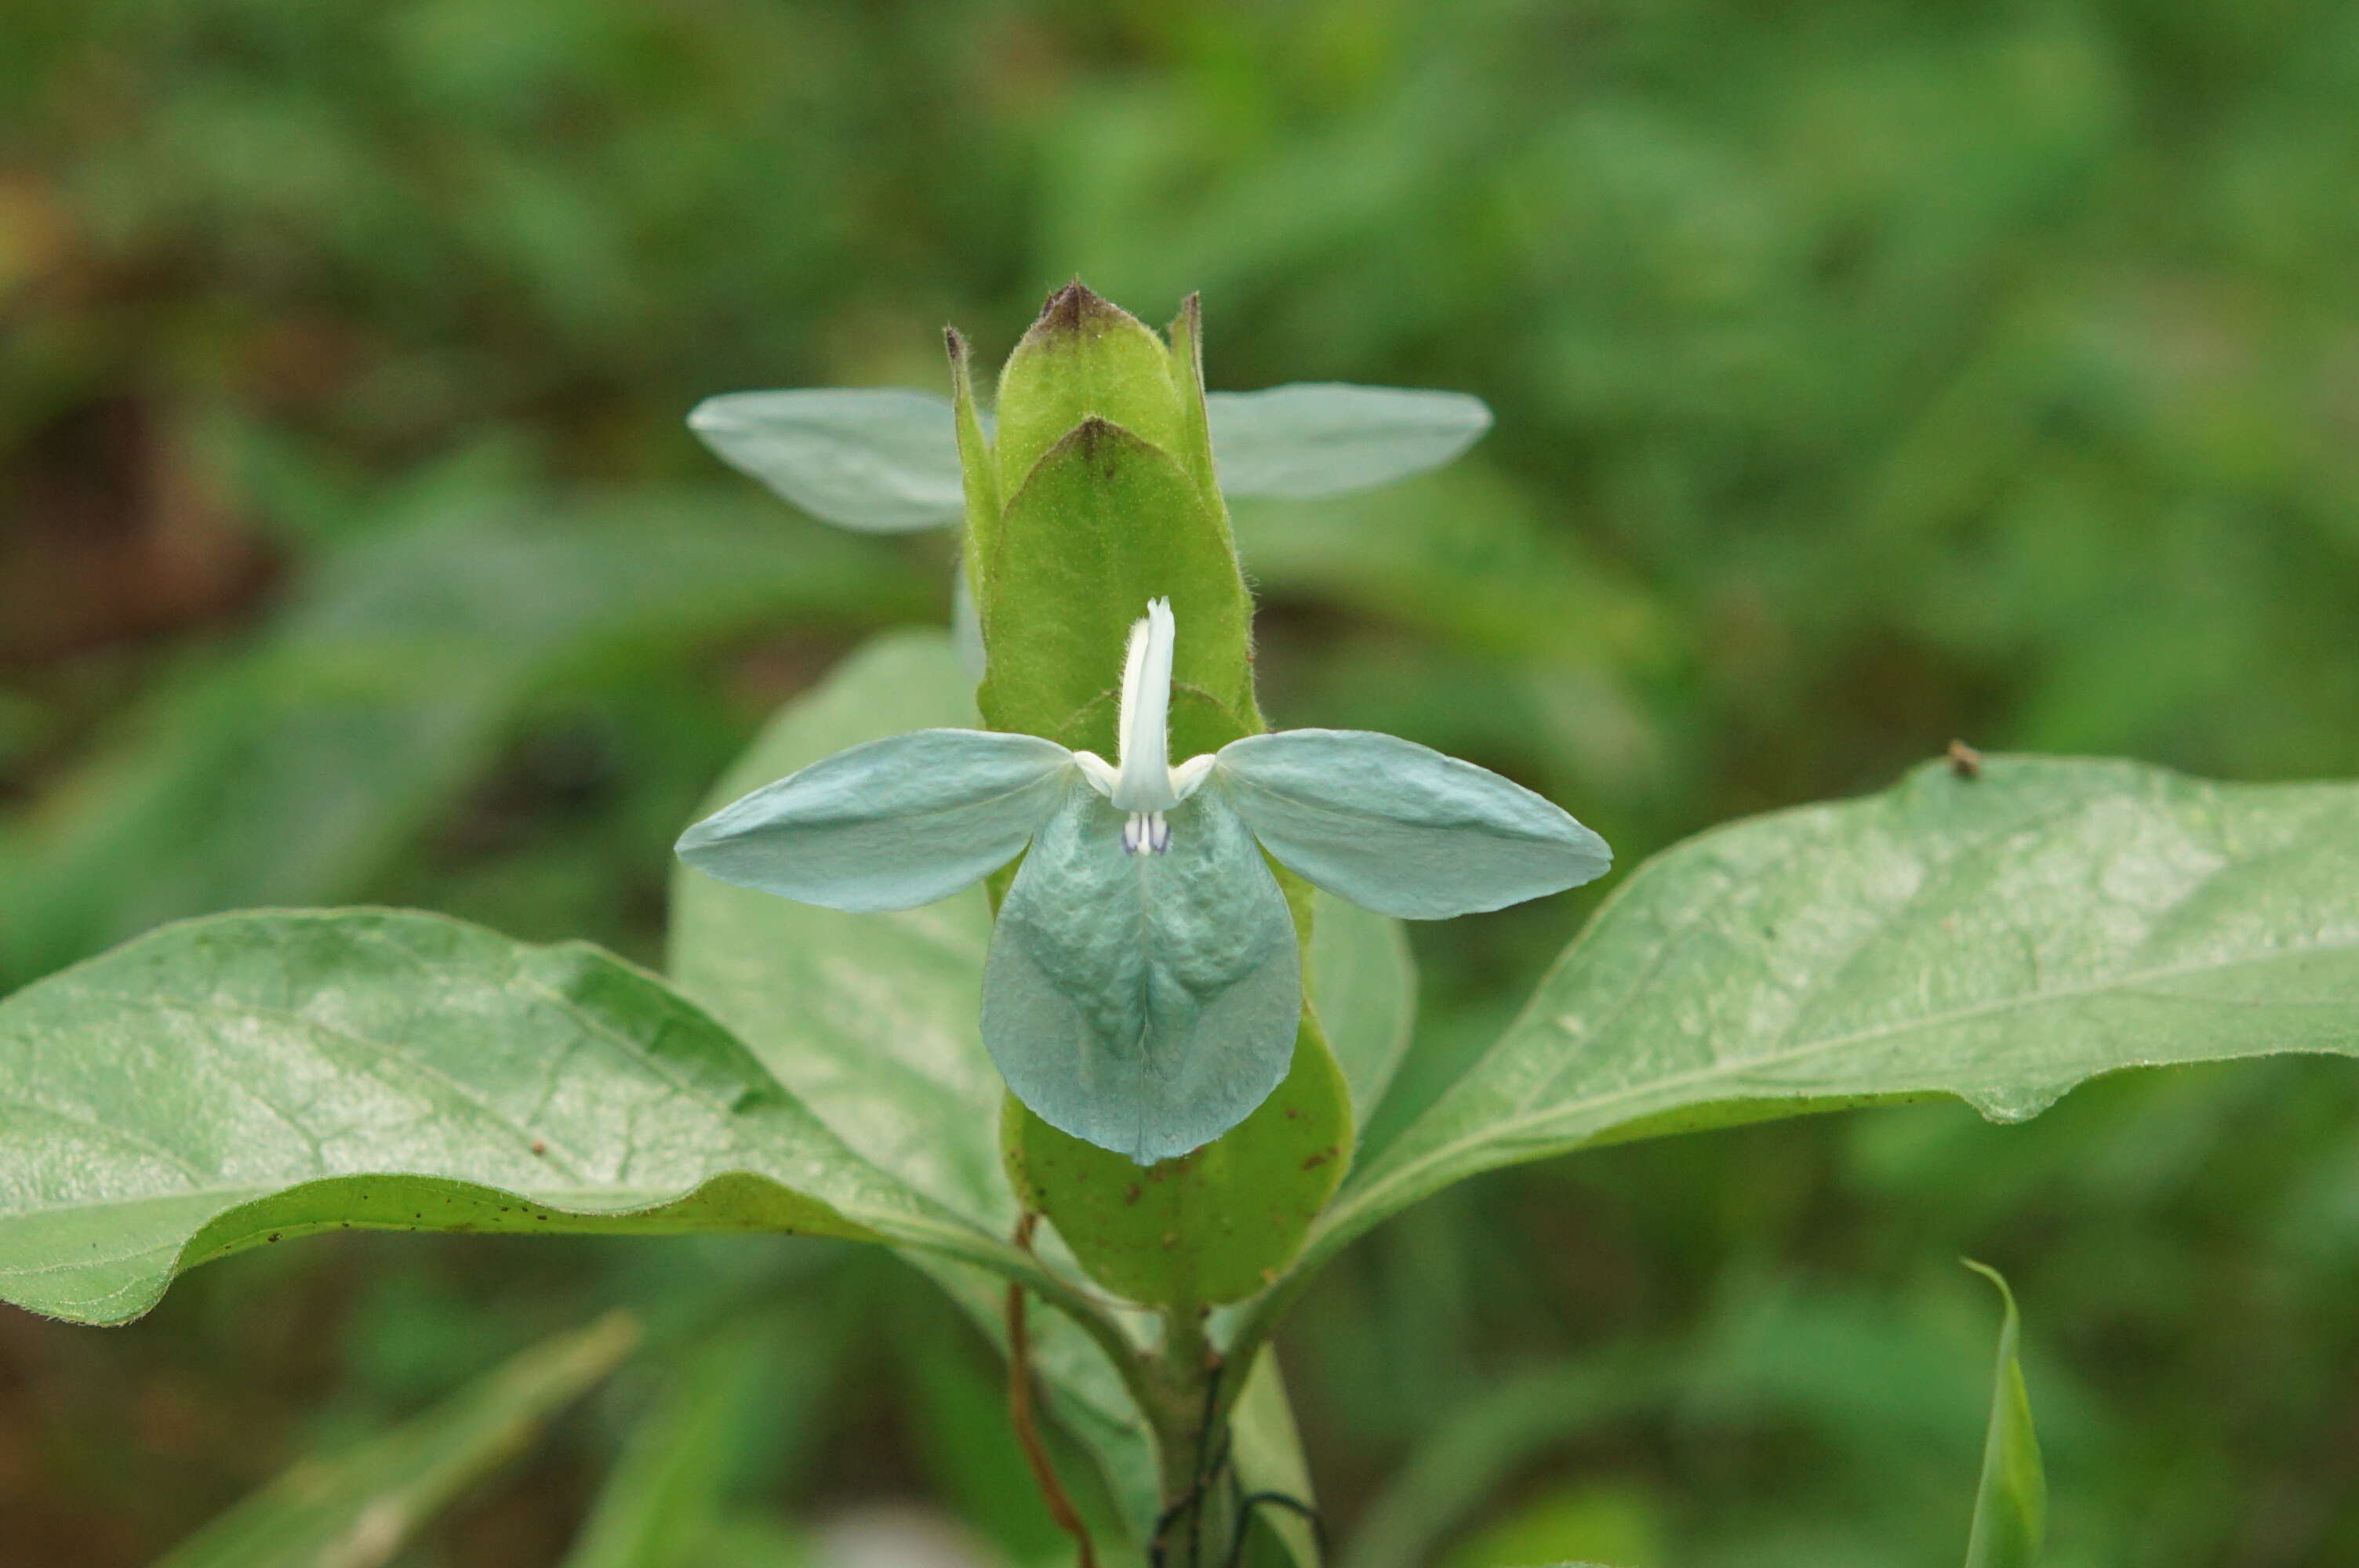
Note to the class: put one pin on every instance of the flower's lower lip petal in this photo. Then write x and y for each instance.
(891, 823)
(1144, 1002)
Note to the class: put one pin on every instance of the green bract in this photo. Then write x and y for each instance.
(1144, 984)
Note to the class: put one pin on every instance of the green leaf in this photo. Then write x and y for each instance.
(1195, 449)
(663, 1500)
(979, 479)
(2011, 1504)
(358, 1508)
(1999, 938)
(239, 1080)
(881, 460)
(1328, 438)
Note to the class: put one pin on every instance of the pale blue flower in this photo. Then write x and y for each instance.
(1143, 984)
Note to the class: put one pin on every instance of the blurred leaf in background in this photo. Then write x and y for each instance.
(1864, 378)
(361, 1508)
(2011, 1502)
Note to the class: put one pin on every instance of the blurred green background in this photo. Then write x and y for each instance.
(1868, 374)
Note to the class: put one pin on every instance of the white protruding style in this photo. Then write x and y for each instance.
(1143, 762)
(1142, 781)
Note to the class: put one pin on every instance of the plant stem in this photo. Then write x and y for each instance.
(1185, 1377)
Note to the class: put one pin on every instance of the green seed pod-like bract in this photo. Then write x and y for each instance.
(1085, 358)
(1097, 496)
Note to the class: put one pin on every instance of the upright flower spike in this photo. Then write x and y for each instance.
(1143, 985)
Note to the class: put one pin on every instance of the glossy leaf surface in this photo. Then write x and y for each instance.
(242, 1079)
(1327, 437)
(358, 1508)
(1999, 938)
(882, 460)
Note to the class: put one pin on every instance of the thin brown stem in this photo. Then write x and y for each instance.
(1020, 1411)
